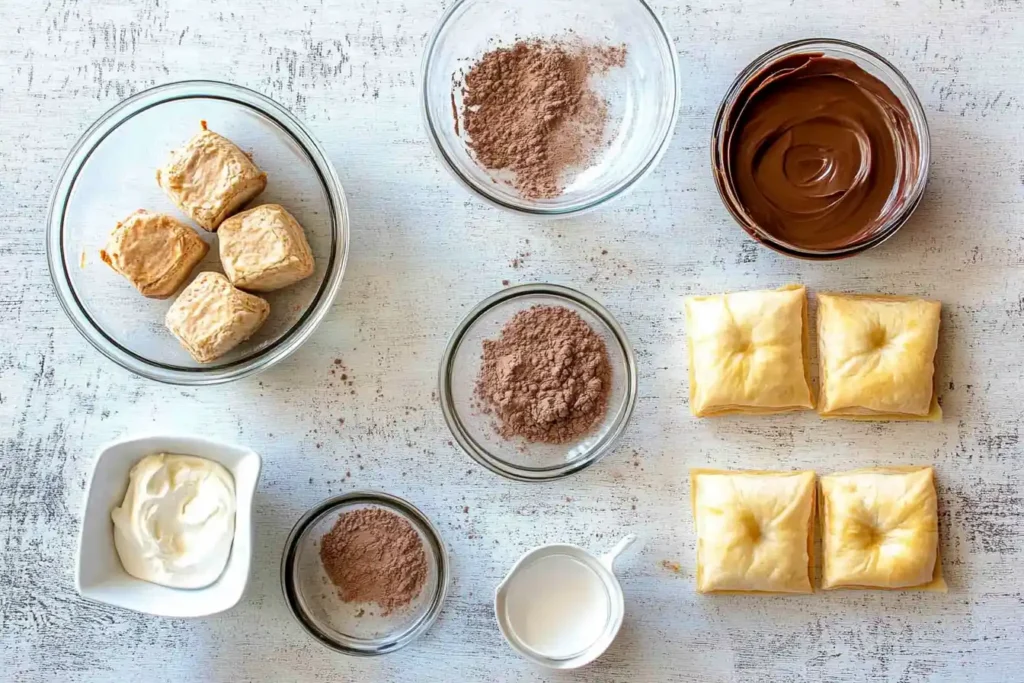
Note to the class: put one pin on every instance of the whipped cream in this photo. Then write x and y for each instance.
(177, 520)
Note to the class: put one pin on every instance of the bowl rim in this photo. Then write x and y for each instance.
(620, 189)
(503, 467)
(245, 514)
(911, 100)
(79, 155)
(368, 496)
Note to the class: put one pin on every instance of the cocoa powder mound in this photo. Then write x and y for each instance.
(546, 378)
(529, 109)
(373, 555)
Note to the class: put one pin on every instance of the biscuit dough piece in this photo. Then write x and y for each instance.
(749, 352)
(154, 251)
(753, 530)
(211, 317)
(877, 356)
(264, 249)
(210, 179)
(880, 529)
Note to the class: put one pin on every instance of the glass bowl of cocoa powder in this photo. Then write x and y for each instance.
(549, 107)
(364, 573)
(538, 382)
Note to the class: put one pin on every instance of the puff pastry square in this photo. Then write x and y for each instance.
(877, 357)
(264, 249)
(211, 317)
(748, 352)
(210, 178)
(753, 530)
(154, 251)
(880, 529)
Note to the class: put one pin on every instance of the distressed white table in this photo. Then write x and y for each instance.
(422, 253)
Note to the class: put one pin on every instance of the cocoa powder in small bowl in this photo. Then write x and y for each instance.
(546, 377)
(364, 572)
(531, 109)
(521, 149)
(538, 382)
(371, 554)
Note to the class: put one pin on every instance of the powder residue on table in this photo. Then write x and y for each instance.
(530, 109)
(374, 555)
(546, 378)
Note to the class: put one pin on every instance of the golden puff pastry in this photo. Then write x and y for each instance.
(880, 529)
(211, 317)
(210, 178)
(753, 530)
(877, 357)
(748, 352)
(264, 249)
(154, 252)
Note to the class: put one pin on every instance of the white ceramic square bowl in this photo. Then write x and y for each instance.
(99, 575)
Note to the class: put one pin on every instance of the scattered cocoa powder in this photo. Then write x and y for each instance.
(547, 376)
(529, 108)
(373, 555)
(672, 566)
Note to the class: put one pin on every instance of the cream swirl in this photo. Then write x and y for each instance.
(177, 521)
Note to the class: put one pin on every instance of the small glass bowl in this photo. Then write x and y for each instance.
(475, 431)
(110, 172)
(643, 96)
(351, 628)
(877, 66)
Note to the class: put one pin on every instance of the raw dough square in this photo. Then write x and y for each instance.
(154, 251)
(880, 529)
(210, 178)
(749, 352)
(753, 530)
(211, 317)
(878, 357)
(264, 249)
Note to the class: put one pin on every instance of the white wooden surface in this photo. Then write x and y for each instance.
(423, 252)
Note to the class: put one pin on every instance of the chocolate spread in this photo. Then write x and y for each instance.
(818, 152)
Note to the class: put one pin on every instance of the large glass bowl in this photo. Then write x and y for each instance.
(643, 96)
(110, 173)
(475, 431)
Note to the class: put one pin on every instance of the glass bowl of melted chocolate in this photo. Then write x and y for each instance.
(820, 149)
